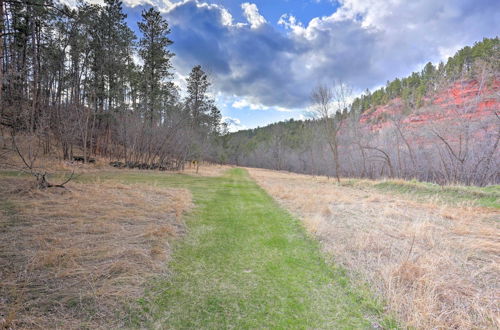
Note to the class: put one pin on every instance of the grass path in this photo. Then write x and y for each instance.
(246, 263)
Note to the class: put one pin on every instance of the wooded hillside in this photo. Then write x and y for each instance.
(441, 125)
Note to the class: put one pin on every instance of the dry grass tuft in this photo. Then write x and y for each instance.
(436, 265)
(76, 257)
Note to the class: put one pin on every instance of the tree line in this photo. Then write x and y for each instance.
(450, 145)
(78, 81)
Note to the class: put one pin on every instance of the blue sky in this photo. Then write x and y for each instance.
(265, 56)
(305, 10)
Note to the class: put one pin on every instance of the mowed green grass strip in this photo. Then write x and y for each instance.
(246, 263)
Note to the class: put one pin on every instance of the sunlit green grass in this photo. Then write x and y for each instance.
(480, 196)
(246, 263)
(488, 196)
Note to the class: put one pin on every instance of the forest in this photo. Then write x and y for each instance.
(72, 87)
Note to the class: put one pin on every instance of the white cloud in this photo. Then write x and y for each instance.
(369, 12)
(233, 124)
(283, 109)
(252, 15)
(227, 18)
(244, 103)
(160, 4)
(290, 22)
(301, 116)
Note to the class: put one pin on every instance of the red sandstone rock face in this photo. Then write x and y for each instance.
(463, 101)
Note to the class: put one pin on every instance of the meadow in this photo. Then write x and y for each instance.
(246, 248)
(135, 249)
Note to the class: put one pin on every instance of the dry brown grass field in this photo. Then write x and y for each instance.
(72, 258)
(435, 264)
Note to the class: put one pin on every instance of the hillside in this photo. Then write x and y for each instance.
(439, 125)
(466, 100)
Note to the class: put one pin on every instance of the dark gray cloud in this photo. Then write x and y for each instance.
(364, 44)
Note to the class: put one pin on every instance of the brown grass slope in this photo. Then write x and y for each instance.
(436, 265)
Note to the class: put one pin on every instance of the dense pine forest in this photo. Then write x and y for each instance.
(77, 82)
(440, 125)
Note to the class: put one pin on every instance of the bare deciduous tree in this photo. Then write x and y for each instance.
(327, 105)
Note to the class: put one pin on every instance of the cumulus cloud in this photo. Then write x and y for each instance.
(364, 43)
(252, 15)
(233, 124)
(244, 103)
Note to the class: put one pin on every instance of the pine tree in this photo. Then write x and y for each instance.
(157, 62)
(118, 41)
(197, 102)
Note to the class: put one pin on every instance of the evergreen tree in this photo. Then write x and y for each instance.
(118, 42)
(197, 101)
(200, 106)
(153, 49)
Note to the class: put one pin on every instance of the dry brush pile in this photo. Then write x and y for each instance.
(78, 257)
(435, 265)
